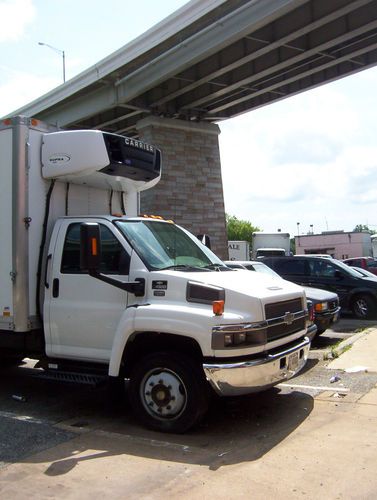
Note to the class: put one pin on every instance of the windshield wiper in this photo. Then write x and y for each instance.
(182, 267)
(217, 267)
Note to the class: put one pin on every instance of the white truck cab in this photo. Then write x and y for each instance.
(128, 297)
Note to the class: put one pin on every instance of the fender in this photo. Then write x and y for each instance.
(190, 322)
(124, 329)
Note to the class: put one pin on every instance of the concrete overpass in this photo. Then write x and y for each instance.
(209, 61)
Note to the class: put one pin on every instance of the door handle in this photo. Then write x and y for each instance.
(55, 288)
(49, 257)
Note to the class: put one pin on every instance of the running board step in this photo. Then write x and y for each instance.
(72, 377)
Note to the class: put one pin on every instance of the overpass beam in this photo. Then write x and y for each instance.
(190, 191)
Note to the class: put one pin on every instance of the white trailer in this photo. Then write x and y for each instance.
(270, 244)
(239, 250)
(119, 295)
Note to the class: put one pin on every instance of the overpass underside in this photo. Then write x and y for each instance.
(213, 60)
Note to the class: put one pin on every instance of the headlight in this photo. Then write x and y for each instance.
(321, 306)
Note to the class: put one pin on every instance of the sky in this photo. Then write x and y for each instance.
(309, 159)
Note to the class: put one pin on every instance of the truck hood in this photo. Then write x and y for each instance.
(242, 281)
(242, 288)
(318, 294)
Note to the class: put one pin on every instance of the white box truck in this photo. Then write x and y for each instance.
(93, 291)
(270, 244)
(239, 250)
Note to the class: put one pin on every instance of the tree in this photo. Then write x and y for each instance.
(239, 230)
(292, 246)
(363, 227)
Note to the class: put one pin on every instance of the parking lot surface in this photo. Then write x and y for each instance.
(312, 436)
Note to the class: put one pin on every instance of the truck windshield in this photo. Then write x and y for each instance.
(163, 245)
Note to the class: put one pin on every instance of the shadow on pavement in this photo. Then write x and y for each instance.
(235, 430)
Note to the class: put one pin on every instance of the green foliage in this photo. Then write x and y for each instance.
(363, 227)
(292, 244)
(239, 230)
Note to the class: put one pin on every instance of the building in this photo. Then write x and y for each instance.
(338, 244)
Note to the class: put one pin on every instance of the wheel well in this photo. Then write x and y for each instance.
(361, 293)
(143, 343)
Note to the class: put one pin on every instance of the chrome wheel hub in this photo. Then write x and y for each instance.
(163, 393)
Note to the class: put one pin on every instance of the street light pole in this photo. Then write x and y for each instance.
(59, 52)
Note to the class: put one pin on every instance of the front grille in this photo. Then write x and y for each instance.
(279, 310)
(278, 331)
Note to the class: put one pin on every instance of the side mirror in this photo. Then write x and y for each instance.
(205, 239)
(90, 247)
(90, 260)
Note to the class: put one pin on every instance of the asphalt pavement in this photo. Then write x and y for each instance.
(312, 437)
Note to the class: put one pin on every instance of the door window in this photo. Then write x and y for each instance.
(321, 269)
(114, 258)
(292, 267)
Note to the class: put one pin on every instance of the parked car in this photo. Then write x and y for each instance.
(368, 263)
(357, 293)
(325, 304)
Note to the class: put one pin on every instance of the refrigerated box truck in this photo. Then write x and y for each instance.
(270, 244)
(93, 291)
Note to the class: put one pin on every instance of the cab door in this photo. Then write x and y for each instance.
(329, 277)
(81, 313)
(293, 269)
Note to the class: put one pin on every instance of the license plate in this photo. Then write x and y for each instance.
(293, 360)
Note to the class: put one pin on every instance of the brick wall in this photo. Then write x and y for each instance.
(190, 191)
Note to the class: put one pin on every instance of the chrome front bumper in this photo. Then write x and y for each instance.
(233, 379)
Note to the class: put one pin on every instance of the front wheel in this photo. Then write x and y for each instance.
(168, 392)
(363, 307)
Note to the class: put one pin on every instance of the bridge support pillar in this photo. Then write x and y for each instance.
(190, 191)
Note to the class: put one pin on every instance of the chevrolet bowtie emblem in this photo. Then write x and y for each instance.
(289, 318)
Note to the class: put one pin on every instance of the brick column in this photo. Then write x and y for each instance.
(190, 191)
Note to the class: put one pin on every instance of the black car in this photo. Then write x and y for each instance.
(356, 293)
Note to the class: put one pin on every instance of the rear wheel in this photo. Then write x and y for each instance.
(363, 307)
(168, 392)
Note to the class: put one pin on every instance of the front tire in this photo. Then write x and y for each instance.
(168, 392)
(363, 307)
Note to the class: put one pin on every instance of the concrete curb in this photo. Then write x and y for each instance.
(335, 352)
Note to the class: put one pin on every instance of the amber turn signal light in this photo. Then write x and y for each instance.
(218, 307)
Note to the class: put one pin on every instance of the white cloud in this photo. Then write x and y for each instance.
(21, 88)
(311, 158)
(15, 15)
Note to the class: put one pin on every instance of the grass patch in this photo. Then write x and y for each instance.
(360, 330)
(335, 352)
